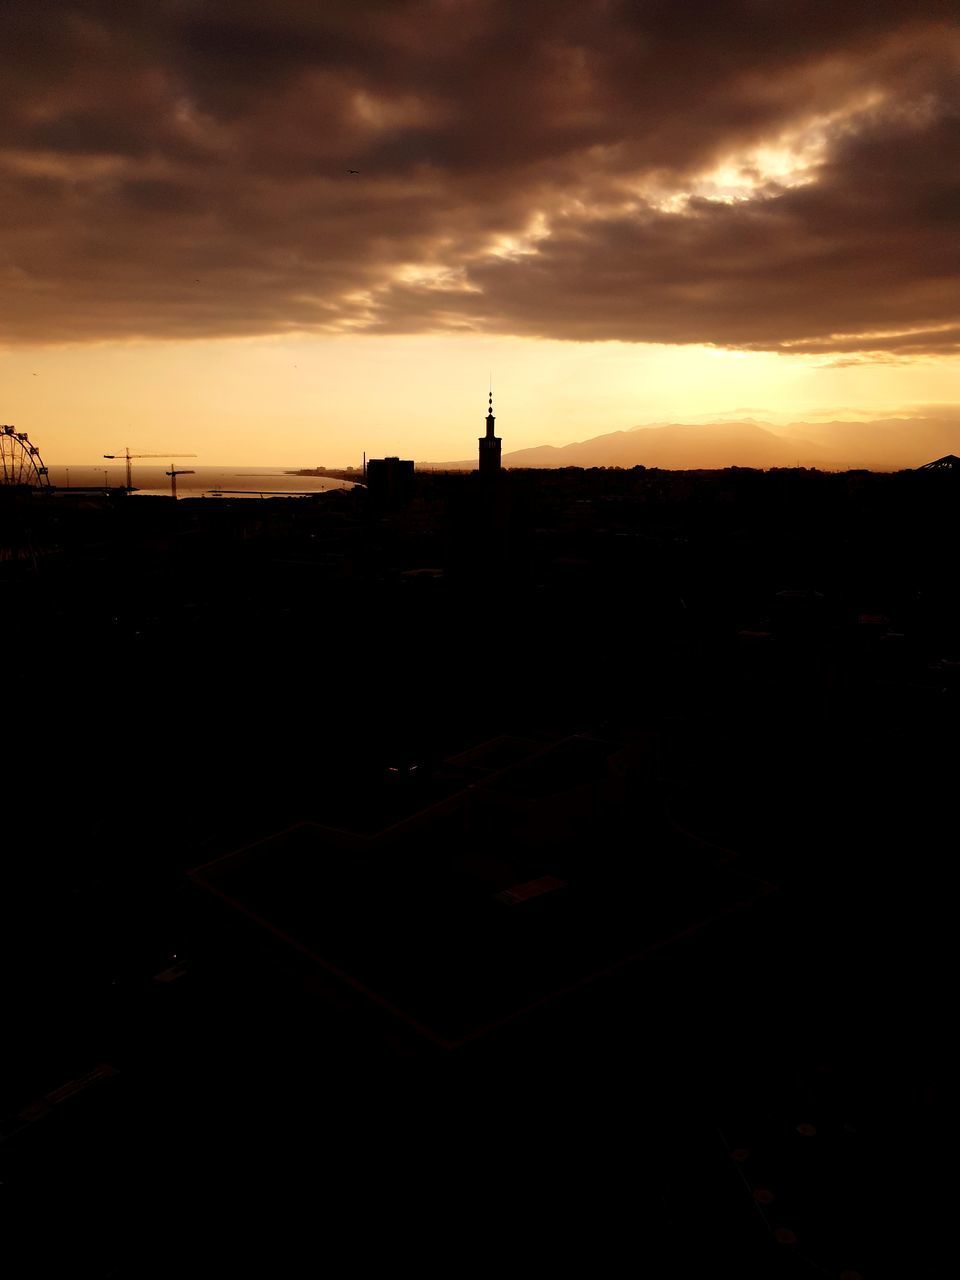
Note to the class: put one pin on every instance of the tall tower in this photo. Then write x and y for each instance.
(490, 445)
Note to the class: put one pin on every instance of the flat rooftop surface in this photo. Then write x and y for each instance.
(456, 942)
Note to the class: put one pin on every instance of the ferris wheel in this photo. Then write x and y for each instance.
(20, 461)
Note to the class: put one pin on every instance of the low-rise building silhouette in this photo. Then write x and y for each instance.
(390, 480)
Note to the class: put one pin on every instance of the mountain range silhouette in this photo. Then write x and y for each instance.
(880, 444)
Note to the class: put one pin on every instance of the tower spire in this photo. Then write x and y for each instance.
(490, 444)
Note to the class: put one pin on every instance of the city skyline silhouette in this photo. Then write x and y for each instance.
(478, 542)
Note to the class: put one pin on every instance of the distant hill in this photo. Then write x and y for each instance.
(884, 444)
(887, 444)
(677, 446)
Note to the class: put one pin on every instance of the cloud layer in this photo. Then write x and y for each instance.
(766, 174)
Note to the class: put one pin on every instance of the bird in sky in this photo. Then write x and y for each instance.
(356, 171)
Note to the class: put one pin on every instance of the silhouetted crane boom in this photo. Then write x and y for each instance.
(127, 457)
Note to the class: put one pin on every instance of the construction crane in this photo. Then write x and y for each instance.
(127, 457)
(173, 473)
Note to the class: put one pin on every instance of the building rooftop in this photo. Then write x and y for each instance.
(454, 945)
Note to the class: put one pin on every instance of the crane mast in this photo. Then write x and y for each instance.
(173, 473)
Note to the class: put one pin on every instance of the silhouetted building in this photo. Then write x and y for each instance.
(950, 462)
(390, 480)
(490, 446)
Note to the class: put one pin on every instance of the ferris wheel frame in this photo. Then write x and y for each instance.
(20, 462)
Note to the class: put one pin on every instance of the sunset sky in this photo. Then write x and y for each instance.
(625, 211)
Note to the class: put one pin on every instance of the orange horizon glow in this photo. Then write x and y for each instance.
(307, 401)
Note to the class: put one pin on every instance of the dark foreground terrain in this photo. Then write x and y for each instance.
(549, 875)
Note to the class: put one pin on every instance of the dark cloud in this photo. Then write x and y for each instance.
(771, 174)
